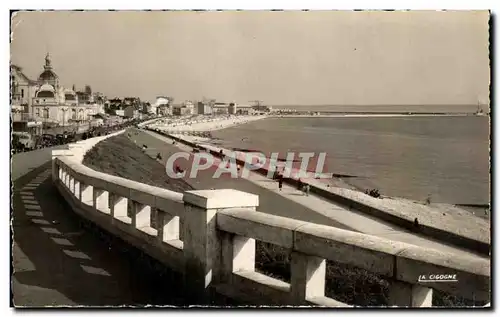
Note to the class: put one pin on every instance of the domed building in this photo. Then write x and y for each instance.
(49, 96)
(48, 76)
(55, 104)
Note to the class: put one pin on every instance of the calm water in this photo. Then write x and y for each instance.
(392, 108)
(444, 157)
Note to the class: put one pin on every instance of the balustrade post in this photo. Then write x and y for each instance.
(202, 243)
(66, 177)
(71, 183)
(118, 206)
(101, 200)
(308, 277)
(238, 254)
(404, 294)
(141, 215)
(86, 194)
(56, 167)
(76, 189)
(168, 226)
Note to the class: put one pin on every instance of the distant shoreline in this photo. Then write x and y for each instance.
(371, 114)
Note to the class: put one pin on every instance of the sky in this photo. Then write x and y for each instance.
(281, 58)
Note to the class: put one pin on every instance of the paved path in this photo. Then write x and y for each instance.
(292, 203)
(22, 163)
(59, 260)
(269, 201)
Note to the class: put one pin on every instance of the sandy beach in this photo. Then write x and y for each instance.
(202, 123)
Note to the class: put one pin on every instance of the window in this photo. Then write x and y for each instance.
(22, 93)
(46, 113)
(37, 112)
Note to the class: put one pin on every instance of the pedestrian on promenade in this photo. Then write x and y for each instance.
(307, 188)
(280, 183)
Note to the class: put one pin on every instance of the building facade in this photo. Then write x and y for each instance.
(204, 108)
(22, 88)
(220, 108)
(162, 106)
(130, 112)
(181, 110)
(244, 110)
(22, 91)
(55, 105)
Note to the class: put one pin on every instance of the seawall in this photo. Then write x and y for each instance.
(220, 227)
(461, 234)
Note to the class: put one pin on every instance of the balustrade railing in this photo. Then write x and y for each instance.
(210, 237)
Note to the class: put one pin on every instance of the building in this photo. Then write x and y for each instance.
(162, 106)
(181, 110)
(55, 105)
(84, 97)
(244, 110)
(220, 108)
(114, 103)
(204, 108)
(232, 108)
(131, 101)
(164, 110)
(22, 88)
(146, 108)
(262, 108)
(189, 108)
(130, 112)
(99, 98)
(22, 91)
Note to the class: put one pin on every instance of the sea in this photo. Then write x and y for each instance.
(445, 159)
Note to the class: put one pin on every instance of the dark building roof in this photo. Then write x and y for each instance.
(46, 94)
(47, 75)
(19, 71)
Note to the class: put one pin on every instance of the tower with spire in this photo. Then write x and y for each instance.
(48, 76)
(47, 66)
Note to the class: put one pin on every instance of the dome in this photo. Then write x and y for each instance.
(47, 87)
(46, 91)
(47, 75)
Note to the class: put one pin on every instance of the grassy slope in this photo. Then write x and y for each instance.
(119, 156)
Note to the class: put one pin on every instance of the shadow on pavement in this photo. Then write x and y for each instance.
(61, 259)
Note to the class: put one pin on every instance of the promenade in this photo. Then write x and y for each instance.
(291, 203)
(61, 260)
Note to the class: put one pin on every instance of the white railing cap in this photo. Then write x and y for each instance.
(220, 198)
(61, 152)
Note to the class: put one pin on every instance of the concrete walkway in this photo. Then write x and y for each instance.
(59, 260)
(313, 206)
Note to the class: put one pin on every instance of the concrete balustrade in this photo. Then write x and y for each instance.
(210, 235)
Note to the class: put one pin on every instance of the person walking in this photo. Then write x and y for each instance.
(280, 183)
(307, 188)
